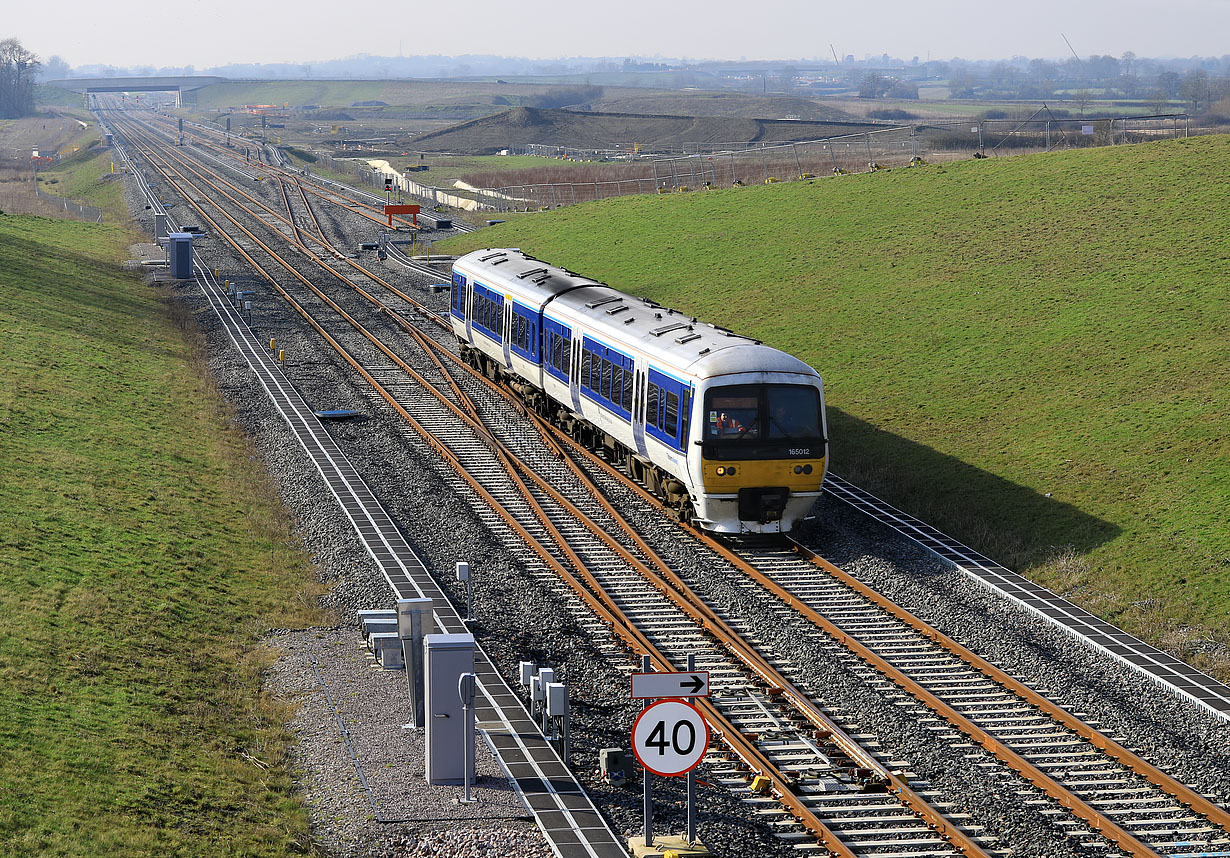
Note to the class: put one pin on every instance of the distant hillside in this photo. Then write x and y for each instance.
(732, 104)
(1033, 353)
(523, 125)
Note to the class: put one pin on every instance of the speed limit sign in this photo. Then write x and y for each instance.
(670, 737)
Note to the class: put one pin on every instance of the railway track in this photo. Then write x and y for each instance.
(627, 598)
(369, 206)
(1107, 798)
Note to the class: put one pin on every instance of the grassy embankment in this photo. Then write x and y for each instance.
(1031, 353)
(143, 554)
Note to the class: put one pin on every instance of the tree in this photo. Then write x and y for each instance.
(1082, 97)
(1194, 89)
(55, 69)
(18, 68)
(903, 89)
(870, 86)
(1168, 82)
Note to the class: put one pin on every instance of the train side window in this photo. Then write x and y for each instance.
(617, 383)
(671, 415)
(585, 364)
(567, 355)
(606, 379)
(651, 405)
(626, 392)
(687, 414)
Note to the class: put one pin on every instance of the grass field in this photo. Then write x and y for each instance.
(142, 556)
(1032, 353)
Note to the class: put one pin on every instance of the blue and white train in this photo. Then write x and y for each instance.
(729, 433)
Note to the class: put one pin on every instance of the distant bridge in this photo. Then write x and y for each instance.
(178, 85)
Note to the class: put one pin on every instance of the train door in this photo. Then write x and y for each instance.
(468, 310)
(638, 411)
(574, 377)
(506, 327)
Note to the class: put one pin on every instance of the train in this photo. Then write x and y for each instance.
(729, 433)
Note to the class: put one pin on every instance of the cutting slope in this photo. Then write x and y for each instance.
(523, 125)
(1033, 353)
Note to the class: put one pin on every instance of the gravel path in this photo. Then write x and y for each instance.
(519, 619)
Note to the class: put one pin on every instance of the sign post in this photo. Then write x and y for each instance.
(670, 737)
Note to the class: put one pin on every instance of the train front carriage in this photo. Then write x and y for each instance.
(760, 442)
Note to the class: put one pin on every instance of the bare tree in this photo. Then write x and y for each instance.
(1081, 98)
(1194, 89)
(18, 68)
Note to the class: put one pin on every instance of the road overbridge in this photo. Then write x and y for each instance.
(155, 83)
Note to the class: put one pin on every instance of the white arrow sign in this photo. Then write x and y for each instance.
(648, 686)
(670, 737)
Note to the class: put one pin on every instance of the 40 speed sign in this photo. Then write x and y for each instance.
(670, 737)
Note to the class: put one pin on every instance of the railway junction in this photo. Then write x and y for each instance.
(876, 689)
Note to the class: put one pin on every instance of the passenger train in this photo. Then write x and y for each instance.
(729, 433)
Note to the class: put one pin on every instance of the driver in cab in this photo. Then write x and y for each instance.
(726, 425)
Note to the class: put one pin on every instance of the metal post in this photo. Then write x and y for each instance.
(795, 149)
(463, 568)
(691, 777)
(465, 690)
(764, 165)
(647, 667)
(734, 176)
(867, 140)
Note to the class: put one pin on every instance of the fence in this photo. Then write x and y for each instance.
(747, 164)
(79, 210)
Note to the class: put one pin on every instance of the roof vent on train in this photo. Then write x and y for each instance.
(495, 255)
(531, 272)
(606, 299)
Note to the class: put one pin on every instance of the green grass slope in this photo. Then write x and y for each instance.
(142, 556)
(1032, 353)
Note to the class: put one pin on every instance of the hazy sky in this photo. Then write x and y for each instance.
(215, 32)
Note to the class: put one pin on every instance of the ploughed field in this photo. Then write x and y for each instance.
(1032, 353)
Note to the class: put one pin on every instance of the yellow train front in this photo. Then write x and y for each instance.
(759, 448)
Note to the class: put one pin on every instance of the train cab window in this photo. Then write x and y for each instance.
(733, 413)
(794, 412)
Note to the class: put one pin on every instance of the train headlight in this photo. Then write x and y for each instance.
(721, 471)
(726, 470)
(730, 470)
(807, 469)
(798, 469)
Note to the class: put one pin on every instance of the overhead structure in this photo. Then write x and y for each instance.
(156, 83)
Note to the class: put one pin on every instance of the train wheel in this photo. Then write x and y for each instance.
(687, 513)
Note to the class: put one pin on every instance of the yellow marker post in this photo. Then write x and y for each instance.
(271, 345)
(282, 356)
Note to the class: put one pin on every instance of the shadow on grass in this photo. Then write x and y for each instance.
(1012, 524)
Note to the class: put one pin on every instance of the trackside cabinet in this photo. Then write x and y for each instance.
(179, 249)
(447, 657)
